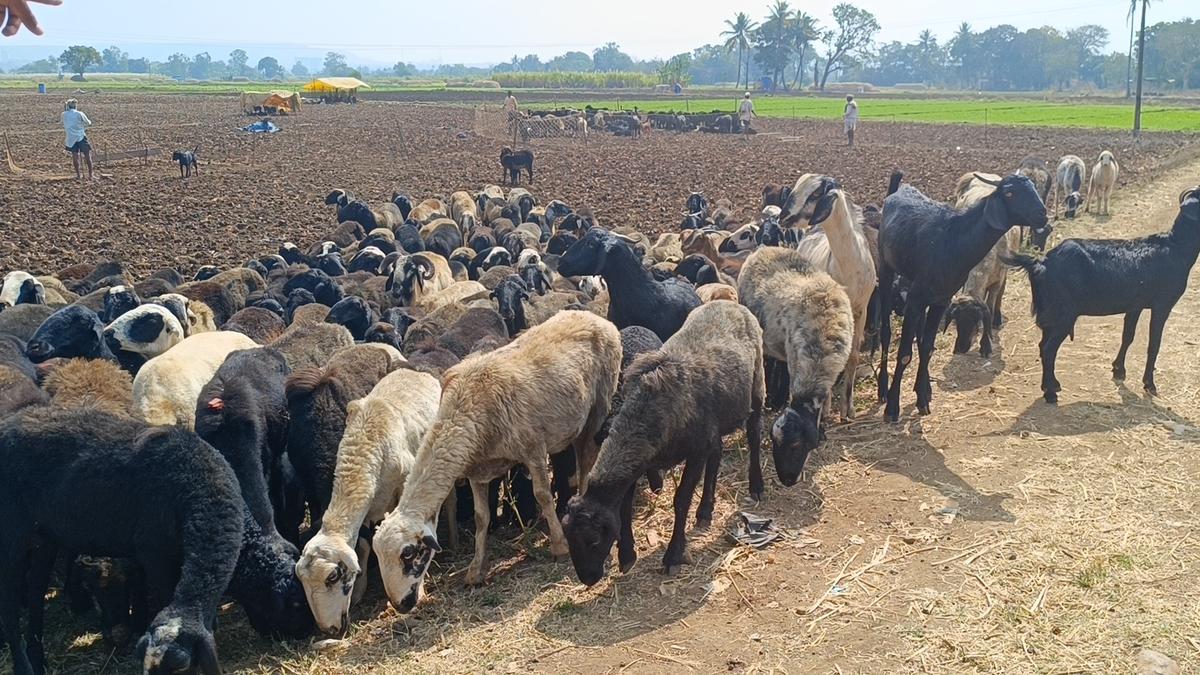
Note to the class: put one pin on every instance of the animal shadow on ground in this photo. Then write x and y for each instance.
(887, 448)
(1084, 417)
(968, 372)
(645, 599)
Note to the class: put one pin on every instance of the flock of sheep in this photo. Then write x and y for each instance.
(170, 443)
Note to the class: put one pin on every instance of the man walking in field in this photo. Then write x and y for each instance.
(850, 117)
(746, 112)
(75, 123)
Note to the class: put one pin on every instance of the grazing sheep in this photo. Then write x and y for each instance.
(442, 236)
(713, 369)
(219, 299)
(159, 496)
(264, 583)
(375, 457)
(242, 412)
(636, 298)
(261, 325)
(317, 400)
(477, 323)
(71, 332)
(310, 345)
(1104, 179)
(323, 288)
(935, 246)
(566, 370)
(419, 275)
(808, 324)
(166, 388)
(978, 305)
(79, 383)
(1101, 277)
(117, 301)
(1069, 179)
(837, 245)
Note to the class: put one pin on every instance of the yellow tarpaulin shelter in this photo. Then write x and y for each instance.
(332, 85)
(287, 101)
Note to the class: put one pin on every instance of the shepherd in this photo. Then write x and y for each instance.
(75, 123)
(850, 117)
(746, 112)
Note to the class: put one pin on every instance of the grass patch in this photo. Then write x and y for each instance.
(1004, 112)
(1098, 571)
(567, 607)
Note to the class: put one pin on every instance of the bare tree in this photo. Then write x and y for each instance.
(856, 29)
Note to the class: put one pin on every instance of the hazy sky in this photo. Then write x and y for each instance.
(474, 31)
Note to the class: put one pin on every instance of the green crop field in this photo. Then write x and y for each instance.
(1155, 117)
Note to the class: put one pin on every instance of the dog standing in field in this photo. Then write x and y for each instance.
(513, 162)
(189, 160)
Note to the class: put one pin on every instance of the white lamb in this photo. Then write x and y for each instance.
(166, 388)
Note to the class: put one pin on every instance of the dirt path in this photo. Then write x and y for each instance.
(999, 534)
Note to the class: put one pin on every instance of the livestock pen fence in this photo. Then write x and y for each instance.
(518, 130)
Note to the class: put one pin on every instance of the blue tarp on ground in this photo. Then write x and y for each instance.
(261, 127)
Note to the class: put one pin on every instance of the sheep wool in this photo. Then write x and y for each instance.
(165, 389)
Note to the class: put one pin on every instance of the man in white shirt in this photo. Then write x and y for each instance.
(75, 123)
(746, 112)
(850, 117)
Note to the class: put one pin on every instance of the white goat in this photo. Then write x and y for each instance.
(1104, 179)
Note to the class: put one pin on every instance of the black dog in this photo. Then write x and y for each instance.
(513, 162)
(189, 160)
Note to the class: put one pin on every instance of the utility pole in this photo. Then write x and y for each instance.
(1137, 105)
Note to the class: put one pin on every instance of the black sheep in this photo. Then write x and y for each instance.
(264, 583)
(242, 412)
(512, 163)
(158, 495)
(296, 299)
(400, 317)
(331, 264)
(384, 333)
(713, 369)
(408, 238)
(635, 297)
(510, 295)
(1100, 277)
(560, 242)
(324, 289)
(316, 403)
(404, 203)
(355, 314)
(206, 272)
(71, 332)
(935, 246)
(117, 301)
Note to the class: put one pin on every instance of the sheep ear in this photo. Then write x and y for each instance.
(947, 318)
(431, 543)
(824, 208)
(995, 183)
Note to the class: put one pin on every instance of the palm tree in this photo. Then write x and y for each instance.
(804, 30)
(740, 30)
(927, 47)
(779, 19)
(961, 46)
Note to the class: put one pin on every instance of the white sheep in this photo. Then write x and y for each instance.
(377, 452)
(807, 323)
(166, 388)
(20, 288)
(836, 244)
(547, 390)
(1104, 179)
(147, 330)
(459, 291)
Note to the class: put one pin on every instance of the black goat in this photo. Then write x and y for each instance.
(635, 297)
(1101, 277)
(512, 162)
(935, 246)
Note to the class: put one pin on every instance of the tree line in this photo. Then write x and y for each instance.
(787, 49)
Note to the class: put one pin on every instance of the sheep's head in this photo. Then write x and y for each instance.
(509, 294)
(338, 197)
(328, 569)
(290, 253)
(535, 279)
(402, 202)
(967, 314)
(405, 545)
(176, 644)
(590, 529)
(354, 313)
(147, 330)
(1072, 203)
(20, 288)
(795, 434)
(368, 259)
(696, 204)
(743, 239)
(770, 234)
(73, 331)
(587, 257)
(803, 198)
(557, 209)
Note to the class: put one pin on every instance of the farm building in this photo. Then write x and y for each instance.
(334, 89)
